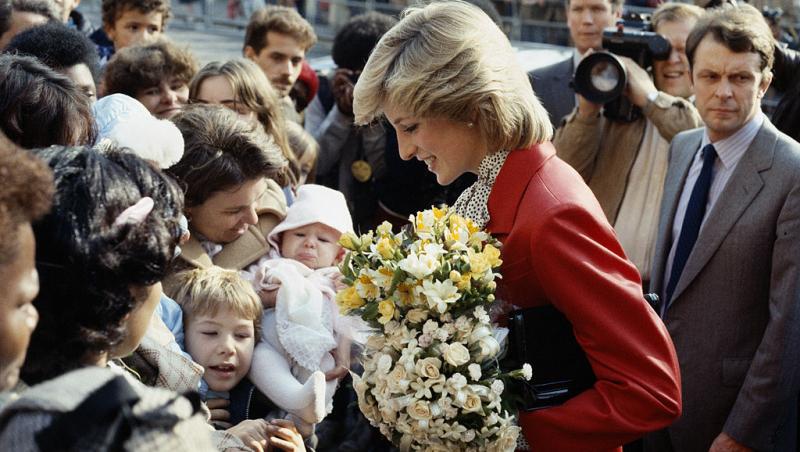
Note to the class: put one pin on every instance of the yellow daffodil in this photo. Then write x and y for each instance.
(386, 310)
(385, 247)
(348, 299)
(479, 263)
(385, 229)
(492, 255)
(349, 241)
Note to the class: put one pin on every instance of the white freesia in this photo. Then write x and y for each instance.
(527, 371)
(475, 371)
(419, 266)
(481, 314)
(498, 387)
(434, 250)
(440, 294)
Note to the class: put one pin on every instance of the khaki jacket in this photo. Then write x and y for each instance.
(243, 251)
(603, 151)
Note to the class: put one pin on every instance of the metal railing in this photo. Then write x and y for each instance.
(522, 20)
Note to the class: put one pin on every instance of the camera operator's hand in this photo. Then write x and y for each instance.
(588, 109)
(639, 83)
(343, 90)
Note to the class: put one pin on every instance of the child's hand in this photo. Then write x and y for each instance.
(268, 297)
(219, 413)
(341, 358)
(338, 282)
(253, 433)
(283, 435)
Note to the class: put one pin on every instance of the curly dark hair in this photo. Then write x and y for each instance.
(222, 152)
(57, 46)
(140, 67)
(43, 8)
(25, 194)
(86, 264)
(355, 41)
(113, 9)
(40, 107)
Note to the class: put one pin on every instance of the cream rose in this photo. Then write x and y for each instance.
(456, 354)
(419, 410)
(416, 315)
(472, 403)
(506, 439)
(429, 367)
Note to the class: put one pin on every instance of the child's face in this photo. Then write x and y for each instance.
(19, 285)
(315, 245)
(223, 345)
(306, 162)
(134, 27)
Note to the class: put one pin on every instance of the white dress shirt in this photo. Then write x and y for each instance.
(729, 152)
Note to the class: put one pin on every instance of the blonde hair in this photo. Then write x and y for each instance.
(449, 60)
(252, 88)
(207, 291)
(304, 147)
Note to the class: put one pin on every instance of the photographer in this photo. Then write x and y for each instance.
(350, 158)
(625, 163)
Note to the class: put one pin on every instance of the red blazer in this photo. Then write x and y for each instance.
(559, 248)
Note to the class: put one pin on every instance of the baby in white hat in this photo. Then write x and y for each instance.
(297, 282)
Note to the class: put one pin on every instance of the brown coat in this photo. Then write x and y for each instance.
(603, 151)
(243, 251)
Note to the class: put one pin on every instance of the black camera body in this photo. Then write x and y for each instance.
(601, 77)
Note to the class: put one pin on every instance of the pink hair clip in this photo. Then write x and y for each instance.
(136, 213)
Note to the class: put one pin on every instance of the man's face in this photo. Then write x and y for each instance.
(586, 20)
(135, 27)
(281, 60)
(728, 87)
(20, 21)
(672, 75)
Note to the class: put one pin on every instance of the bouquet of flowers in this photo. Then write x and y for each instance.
(431, 377)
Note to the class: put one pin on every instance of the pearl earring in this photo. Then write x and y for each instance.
(470, 124)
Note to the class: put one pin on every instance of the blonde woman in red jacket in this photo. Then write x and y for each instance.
(446, 78)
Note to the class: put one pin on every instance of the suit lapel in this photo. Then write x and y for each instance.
(683, 152)
(743, 186)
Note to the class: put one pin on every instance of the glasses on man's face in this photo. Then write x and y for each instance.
(233, 105)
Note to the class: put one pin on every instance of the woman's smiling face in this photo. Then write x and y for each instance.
(449, 148)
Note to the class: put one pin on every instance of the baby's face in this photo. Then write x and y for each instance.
(315, 245)
(223, 345)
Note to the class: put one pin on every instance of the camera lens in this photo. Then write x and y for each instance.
(604, 76)
(600, 77)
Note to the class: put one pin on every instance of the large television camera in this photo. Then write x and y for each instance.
(601, 77)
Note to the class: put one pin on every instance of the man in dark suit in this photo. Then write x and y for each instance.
(727, 257)
(586, 20)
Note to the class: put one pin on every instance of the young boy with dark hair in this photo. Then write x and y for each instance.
(63, 49)
(129, 22)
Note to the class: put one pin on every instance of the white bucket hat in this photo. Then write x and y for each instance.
(314, 204)
(125, 121)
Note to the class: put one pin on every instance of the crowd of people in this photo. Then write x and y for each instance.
(169, 233)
